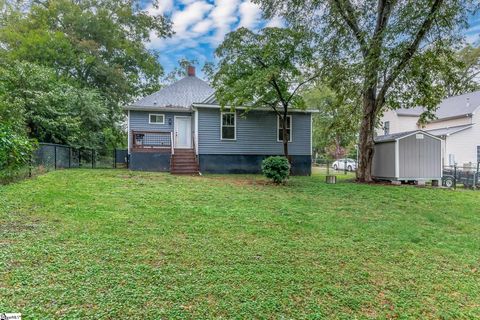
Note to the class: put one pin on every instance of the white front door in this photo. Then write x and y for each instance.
(183, 132)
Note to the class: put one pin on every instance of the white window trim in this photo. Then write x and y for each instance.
(291, 128)
(155, 114)
(234, 126)
(385, 128)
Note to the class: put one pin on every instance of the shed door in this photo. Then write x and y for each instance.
(420, 157)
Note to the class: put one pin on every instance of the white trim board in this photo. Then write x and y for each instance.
(128, 130)
(196, 130)
(216, 106)
(158, 109)
(397, 159)
(311, 134)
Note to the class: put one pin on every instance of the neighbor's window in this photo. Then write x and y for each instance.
(386, 127)
(156, 118)
(228, 125)
(288, 128)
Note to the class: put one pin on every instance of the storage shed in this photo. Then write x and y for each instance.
(408, 156)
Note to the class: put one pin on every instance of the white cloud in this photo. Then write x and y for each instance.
(250, 15)
(473, 39)
(203, 26)
(275, 22)
(163, 6)
(192, 13)
(223, 16)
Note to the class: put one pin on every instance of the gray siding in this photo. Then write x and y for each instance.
(139, 120)
(384, 160)
(256, 134)
(420, 158)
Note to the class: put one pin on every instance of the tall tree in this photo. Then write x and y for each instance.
(335, 127)
(96, 44)
(264, 70)
(36, 101)
(391, 48)
(465, 76)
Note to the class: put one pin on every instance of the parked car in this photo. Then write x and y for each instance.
(342, 164)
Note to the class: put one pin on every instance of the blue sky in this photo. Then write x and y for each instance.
(200, 26)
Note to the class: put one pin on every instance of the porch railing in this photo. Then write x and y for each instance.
(152, 140)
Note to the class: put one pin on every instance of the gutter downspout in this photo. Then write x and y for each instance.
(196, 142)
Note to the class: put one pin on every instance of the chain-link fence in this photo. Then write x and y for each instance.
(466, 175)
(338, 166)
(54, 156)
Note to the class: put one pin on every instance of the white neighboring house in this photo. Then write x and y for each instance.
(457, 123)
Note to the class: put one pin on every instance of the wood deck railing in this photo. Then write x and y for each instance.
(152, 140)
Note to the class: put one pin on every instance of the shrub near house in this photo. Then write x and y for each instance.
(276, 169)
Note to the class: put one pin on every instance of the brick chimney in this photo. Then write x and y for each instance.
(191, 71)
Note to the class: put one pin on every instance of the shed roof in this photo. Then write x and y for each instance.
(452, 107)
(179, 95)
(393, 136)
(400, 135)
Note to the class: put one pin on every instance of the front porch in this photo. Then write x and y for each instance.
(152, 141)
(162, 151)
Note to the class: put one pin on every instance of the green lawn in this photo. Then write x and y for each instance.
(124, 245)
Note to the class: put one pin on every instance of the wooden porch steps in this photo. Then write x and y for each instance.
(184, 161)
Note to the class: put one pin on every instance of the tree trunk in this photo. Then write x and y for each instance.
(366, 144)
(337, 147)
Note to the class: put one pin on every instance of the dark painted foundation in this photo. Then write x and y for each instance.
(150, 161)
(231, 163)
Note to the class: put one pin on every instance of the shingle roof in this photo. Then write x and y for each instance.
(394, 136)
(211, 100)
(452, 107)
(449, 130)
(417, 111)
(179, 95)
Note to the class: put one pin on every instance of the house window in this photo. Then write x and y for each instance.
(228, 121)
(386, 127)
(280, 129)
(156, 118)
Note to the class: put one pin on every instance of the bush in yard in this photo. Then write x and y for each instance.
(276, 168)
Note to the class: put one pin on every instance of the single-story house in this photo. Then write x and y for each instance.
(457, 122)
(182, 129)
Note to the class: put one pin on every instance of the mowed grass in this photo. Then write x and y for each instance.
(117, 244)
